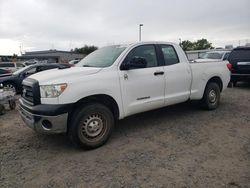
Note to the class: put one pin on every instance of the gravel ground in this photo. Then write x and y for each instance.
(177, 146)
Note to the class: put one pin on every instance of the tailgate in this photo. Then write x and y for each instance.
(243, 66)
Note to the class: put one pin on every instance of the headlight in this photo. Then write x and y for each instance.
(52, 91)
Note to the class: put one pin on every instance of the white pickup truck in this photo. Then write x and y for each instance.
(115, 82)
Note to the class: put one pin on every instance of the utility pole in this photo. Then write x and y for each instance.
(140, 25)
(20, 47)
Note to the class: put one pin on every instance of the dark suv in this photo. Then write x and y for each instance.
(239, 58)
(14, 81)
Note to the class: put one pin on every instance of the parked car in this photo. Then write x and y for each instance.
(11, 66)
(240, 61)
(214, 56)
(115, 82)
(14, 80)
(4, 72)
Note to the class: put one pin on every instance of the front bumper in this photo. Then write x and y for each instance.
(53, 120)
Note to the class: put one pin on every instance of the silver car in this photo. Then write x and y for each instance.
(11, 66)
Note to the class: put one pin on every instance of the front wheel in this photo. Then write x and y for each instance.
(211, 97)
(91, 126)
(10, 86)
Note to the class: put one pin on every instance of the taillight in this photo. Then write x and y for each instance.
(229, 66)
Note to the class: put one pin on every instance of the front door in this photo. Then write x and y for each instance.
(142, 88)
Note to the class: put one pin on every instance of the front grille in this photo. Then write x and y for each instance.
(31, 91)
(27, 93)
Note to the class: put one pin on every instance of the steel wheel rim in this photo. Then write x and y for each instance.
(212, 96)
(93, 127)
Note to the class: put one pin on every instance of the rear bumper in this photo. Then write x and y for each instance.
(53, 120)
(238, 77)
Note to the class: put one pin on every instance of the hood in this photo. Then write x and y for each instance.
(56, 76)
(7, 78)
(206, 60)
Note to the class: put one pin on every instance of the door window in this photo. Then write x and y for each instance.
(147, 52)
(7, 65)
(2, 71)
(169, 54)
(19, 65)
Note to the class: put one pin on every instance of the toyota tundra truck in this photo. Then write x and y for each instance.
(115, 82)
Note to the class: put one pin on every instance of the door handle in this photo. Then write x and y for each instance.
(158, 73)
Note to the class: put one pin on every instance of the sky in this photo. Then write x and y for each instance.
(30, 25)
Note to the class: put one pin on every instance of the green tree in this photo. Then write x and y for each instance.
(85, 50)
(202, 44)
(186, 45)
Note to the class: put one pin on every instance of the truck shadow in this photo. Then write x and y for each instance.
(155, 119)
(243, 85)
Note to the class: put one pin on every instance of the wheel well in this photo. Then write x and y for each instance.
(216, 80)
(11, 82)
(106, 100)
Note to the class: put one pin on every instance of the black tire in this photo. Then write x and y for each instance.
(230, 85)
(234, 83)
(12, 104)
(91, 126)
(2, 109)
(211, 97)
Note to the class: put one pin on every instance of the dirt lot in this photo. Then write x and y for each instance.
(178, 146)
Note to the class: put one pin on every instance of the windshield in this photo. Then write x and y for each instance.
(212, 55)
(21, 70)
(104, 57)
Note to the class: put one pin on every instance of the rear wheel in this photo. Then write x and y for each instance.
(91, 126)
(211, 97)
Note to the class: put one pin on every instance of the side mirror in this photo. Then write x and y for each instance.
(134, 63)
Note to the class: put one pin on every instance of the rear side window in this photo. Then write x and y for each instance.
(7, 65)
(240, 55)
(170, 55)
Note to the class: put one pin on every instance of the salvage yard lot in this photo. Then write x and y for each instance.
(177, 146)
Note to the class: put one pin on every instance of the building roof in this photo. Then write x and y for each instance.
(50, 52)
